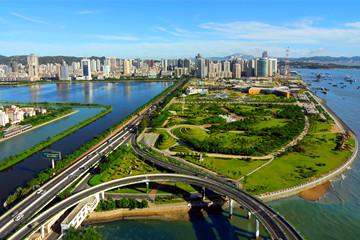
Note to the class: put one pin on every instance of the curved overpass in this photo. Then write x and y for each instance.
(274, 223)
(288, 231)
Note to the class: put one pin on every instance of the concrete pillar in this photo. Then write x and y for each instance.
(249, 215)
(102, 195)
(42, 232)
(147, 187)
(204, 193)
(53, 163)
(257, 233)
(231, 209)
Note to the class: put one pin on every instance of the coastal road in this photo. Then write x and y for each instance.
(270, 221)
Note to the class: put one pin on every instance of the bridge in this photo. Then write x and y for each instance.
(277, 227)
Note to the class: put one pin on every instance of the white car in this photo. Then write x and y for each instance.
(18, 217)
(40, 191)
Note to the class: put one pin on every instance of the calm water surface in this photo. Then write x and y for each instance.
(124, 98)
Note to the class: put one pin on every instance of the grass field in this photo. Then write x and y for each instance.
(230, 167)
(164, 140)
(125, 163)
(317, 157)
(166, 187)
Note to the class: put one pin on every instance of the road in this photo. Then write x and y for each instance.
(32, 204)
(288, 231)
(270, 221)
(278, 227)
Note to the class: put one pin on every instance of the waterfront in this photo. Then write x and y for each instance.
(335, 216)
(124, 98)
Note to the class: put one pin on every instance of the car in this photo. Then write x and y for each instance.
(40, 191)
(18, 217)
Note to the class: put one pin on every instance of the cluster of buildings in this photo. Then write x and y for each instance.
(113, 67)
(264, 67)
(15, 114)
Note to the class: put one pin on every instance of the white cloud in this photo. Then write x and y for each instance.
(85, 12)
(353, 24)
(117, 37)
(300, 34)
(27, 18)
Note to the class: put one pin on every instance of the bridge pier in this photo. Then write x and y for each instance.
(147, 187)
(249, 215)
(231, 209)
(42, 232)
(257, 233)
(203, 193)
(102, 195)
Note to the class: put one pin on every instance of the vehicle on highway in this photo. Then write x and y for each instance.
(18, 217)
(40, 191)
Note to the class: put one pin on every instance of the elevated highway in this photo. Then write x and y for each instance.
(288, 232)
(274, 223)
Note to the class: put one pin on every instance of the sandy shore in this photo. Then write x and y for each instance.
(175, 211)
(314, 194)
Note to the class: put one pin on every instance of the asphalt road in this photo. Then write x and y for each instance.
(270, 221)
(35, 202)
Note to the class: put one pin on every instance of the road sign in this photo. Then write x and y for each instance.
(51, 154)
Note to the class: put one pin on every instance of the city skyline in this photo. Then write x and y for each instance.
(168, 29)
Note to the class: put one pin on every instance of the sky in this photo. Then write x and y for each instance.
(179, 28)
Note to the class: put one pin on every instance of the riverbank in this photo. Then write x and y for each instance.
(12, 160)
(40, 125)
(271, 196)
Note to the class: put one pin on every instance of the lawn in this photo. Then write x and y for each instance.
(164, 187)
(164, 140)
(230, 167)
(315, 157)
(122, 163)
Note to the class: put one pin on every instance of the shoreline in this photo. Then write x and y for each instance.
(40, 125)
(272, 196)
(169, 212)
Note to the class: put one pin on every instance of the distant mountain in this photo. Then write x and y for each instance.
(235, 55)
(348, 61)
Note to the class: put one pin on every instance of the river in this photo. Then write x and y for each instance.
(124, 97)
(335, 216)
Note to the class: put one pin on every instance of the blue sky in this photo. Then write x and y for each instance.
(179, 28)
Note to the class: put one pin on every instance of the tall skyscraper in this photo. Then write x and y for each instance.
(33, 67)
(86, 68)
(237, 70)
(262, 69)
(164, 65)
(200, 66)
(64, 71)
(127, 67)
(272, 65)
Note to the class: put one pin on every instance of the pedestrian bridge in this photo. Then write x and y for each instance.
(277, 226)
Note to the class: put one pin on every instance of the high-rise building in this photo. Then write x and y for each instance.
(265, 54)
(226, 69)
(33, 67)
(164, 65)
(86, 68)
(272, 65)
(262, 69)
(127, 67)
(200, 67)
(93, 65)
(98, 65)
(237, 69)
(64, 71)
